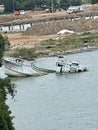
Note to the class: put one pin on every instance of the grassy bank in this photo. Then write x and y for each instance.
(62, 45)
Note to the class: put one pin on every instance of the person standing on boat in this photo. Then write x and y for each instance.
(61, 70)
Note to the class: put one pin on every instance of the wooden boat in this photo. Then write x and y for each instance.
(63, 66)
(19, 67)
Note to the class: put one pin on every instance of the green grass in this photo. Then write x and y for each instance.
(71, 42)
(63, 44)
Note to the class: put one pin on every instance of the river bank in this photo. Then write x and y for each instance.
(64, 45)
(42, 39)
(80, 50)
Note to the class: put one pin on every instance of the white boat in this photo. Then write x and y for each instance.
(63, 65)
(19, 67)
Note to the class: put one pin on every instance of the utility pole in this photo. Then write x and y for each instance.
(52, 8)
(58, 1)
(70, 2)
(13, 5)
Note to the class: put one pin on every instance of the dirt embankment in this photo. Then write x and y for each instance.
(53, 27)
(45, 31)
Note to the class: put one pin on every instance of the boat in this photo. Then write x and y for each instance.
(63, 66)
(19, 67)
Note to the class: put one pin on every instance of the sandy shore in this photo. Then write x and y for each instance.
(27, 41)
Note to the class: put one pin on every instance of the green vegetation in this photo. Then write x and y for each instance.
(23, 52)
(5, 87)
(4, 44)
(5, 118)
(11, 5)
(62, 44)
(67, 43)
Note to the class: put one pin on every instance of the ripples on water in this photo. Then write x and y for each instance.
(58, 102)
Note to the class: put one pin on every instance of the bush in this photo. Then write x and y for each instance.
(5, 118)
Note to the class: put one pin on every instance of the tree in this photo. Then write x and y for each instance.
(65, 3)
(3, 44)
(5, 118)
(8, 5)
(94, 1)
(25, 5)
(5, 87)
(86, 1)
(76, 2)
(32, 4)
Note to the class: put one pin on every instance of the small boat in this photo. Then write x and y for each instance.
(20, 67)
(63, 65)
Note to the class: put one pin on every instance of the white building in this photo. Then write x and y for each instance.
(2, 8)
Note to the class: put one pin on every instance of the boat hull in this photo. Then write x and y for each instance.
(19, 67)
(63, 66)
(65, 69)
(10, 72)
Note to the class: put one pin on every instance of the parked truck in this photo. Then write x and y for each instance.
(74, 9)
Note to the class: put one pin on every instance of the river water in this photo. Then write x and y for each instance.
(56, 101)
